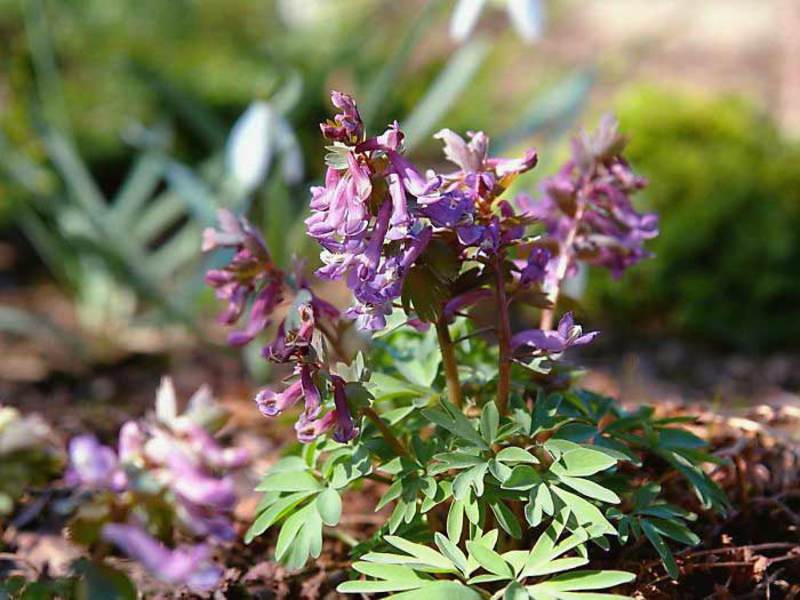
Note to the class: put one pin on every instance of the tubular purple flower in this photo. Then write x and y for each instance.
(313, 400)
(344, 428)
(271, 403)
(186, 565)
(346, 127)
(309, 428)
(566, 336)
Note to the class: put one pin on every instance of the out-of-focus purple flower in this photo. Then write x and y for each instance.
(190, 482)
(186, 565)
(587, 209)
(294, 336)
(250, 275)
(93, 465)
(462, 301)
(205, 445)
(566, 336)
(347, 126)
(310, 426)
(131, 441)
(535, 268)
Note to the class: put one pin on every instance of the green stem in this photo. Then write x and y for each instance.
(564, 256)
(387, 434)
(503, 338)
(449, 363)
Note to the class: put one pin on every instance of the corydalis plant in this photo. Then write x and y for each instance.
(169, 481)
(500, 472)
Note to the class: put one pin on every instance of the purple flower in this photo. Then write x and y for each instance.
(344, 428)
(535, 268)
(250, 275)
(566, 336)
(271, 403)
(206, 447)
(93, 465)
(192, 484)
(186, 565)
(347, 126)
(362, 216)
(309, 427)
(131, 441)
(586, 207)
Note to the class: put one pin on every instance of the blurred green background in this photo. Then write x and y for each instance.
(116, 115)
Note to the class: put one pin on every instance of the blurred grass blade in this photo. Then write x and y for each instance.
(138, 188)
(48, 79)
(384, 82)
(161, 213)
(194, 114)
(181, 249)
(554, 110)
(80, 182)
(444, 91)
(199, 199)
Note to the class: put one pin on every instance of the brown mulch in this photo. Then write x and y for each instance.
(751, 552)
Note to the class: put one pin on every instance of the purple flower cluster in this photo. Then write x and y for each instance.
(377, 212)
(172, 457)
(587, 205)
(250, 276)
(298, 338)
(465, 199)
(361, 215)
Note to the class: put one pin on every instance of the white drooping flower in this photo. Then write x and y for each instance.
(527, 17)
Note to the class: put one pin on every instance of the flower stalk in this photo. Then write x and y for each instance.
(503, 337)
(449, 362)
(387, 434)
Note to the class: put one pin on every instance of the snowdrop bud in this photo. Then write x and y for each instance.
(464, 18)
(249, 148)
(527, 16)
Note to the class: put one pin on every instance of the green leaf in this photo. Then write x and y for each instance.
(490, 421)
(440, 590)
(515, 591)
(513, 454)
(583, 462)
(585, 512)
(329, 505)
(490, 560)
(423, 554)
(661, 547)
(590, 489)
(273, 513)
(452, 552)
(523, 477)
(455, 520)
(289, 481)
(454, 421)
(506, 519)
(585, 580)
(675, 530)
